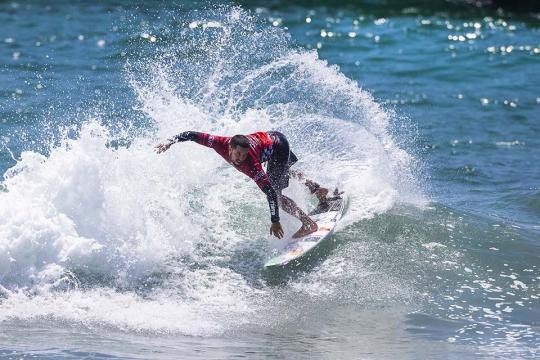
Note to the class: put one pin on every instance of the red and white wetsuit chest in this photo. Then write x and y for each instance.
(262, 145)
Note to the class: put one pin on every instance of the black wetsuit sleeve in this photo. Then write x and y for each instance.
(272, 202)
(186, 136)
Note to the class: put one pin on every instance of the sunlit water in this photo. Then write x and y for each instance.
(425, 115)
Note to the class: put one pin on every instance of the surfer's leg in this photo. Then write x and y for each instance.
(278, 171)
(313, 187)
(290, 207)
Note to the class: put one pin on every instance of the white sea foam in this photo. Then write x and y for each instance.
(89, 219)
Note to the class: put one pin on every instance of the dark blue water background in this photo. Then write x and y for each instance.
(462, 86)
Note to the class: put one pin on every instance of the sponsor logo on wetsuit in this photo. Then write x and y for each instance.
(210, 140)
(266, 153)
(258, 176)
(272, 208)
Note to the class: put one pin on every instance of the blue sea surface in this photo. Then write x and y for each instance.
(426, 113)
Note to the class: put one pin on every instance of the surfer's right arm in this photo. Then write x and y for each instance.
(186, 136)
(199, 137)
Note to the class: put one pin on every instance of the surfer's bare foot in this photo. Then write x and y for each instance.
(306, 229)
(321, 195)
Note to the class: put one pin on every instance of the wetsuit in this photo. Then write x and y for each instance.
(269, 146)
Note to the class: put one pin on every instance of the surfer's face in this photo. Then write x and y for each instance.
(238, 154)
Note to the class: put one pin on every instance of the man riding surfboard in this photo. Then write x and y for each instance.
(246, 153)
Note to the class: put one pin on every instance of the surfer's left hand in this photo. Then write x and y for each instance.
(276, 230)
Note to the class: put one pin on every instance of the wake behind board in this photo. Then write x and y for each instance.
(326, 218)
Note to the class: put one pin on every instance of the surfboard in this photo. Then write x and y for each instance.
(326, 217)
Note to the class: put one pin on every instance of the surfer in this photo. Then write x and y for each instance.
(246, 153)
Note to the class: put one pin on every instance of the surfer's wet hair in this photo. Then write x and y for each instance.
(240, 140)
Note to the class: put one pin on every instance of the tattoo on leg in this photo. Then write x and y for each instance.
(311, 185)
(290, 207)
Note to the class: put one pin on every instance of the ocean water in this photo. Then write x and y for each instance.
(425, 113)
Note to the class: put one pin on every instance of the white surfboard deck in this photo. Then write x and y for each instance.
(326, 220)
